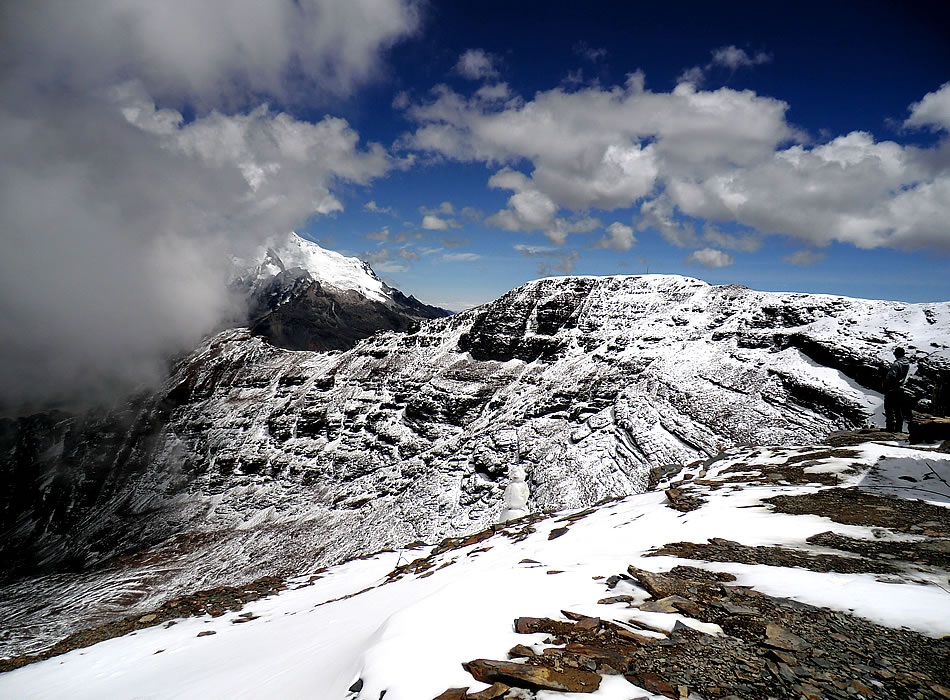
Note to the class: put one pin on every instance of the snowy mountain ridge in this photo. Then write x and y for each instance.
(254, 460)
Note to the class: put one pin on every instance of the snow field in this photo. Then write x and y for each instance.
(409, 637)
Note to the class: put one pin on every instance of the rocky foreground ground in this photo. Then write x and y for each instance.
(769, 647)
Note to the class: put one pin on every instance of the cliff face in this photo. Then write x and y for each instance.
(254, 459)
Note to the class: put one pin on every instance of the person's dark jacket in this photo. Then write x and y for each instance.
(896, 374)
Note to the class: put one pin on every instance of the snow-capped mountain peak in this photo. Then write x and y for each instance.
(283, 253)
(301, 296)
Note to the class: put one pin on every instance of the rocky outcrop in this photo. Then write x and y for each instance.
(734, 641)
(570, 680)
(768, 647)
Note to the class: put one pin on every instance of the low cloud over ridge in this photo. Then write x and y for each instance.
(119, 217)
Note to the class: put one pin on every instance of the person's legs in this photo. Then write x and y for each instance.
(891, 412)
(900, 413)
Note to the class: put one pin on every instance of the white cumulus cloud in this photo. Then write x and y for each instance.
(529, 209)
(431, 222)
(733, 57)
(695, 156)
(710, 257)
(746, 243)
(209, 51)
(119, 217)
(619, 237)
(804, 257)
(476, 64)
(460, 257)
(729, 57)
(491, 93)
(552, 260)
(440, 218)
(372, 206)
(851, 189)
(598, 148)
(933, 110)
(658, 214)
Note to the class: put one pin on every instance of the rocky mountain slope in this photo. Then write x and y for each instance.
(786, 572)
(255, 460)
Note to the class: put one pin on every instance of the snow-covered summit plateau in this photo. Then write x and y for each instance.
(254, 460)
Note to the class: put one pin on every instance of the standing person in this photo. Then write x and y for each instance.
(894, 392)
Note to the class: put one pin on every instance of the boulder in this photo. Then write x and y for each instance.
(569, 680)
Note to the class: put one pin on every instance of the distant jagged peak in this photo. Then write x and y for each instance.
(301, 296)
(289, 251)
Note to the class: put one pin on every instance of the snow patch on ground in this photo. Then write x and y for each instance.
(408, 636)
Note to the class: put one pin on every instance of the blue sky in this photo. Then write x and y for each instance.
(833, 69)
(462, 148)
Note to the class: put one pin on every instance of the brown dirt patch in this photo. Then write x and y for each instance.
(856, 507)
(720, 550)
(933, 551)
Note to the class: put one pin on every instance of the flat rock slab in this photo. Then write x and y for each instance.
(780, 638)
(653, 683)
(926, 428)
(497, 690)
(570, 680)
(672, 604)
(453, 694)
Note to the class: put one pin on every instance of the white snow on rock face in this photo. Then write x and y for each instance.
(283, 253)
(407, 635)
(263, 460)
